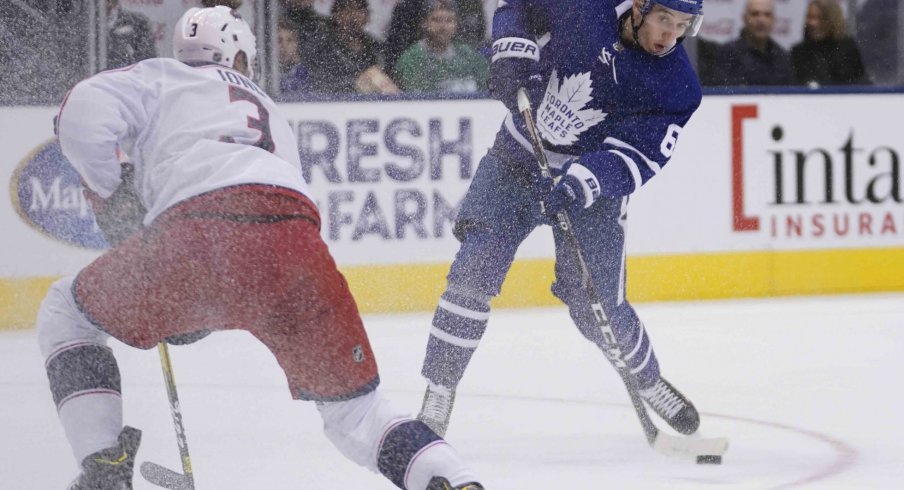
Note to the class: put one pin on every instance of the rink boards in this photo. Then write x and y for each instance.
(765, 195)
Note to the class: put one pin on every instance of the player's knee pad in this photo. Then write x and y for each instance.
(579, 307)
(621, 318)
(61, 323)
(567, 293)
(634, 346)
(357, 426)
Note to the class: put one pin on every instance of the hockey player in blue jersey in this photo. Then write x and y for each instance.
(613, 88)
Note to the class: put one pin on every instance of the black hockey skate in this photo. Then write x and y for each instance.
(111, 468)
(440, 483)
(672, 406)
(437, 408)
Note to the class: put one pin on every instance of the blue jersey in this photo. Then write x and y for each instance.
(617, 107)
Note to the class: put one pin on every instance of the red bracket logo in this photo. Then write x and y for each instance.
(740, 222)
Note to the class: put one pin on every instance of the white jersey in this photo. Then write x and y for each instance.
(186, 129)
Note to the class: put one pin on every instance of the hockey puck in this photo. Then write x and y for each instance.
(709, 459)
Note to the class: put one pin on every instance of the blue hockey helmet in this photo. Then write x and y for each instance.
(692, 7)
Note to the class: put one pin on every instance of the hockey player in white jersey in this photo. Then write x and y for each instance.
(230, 239)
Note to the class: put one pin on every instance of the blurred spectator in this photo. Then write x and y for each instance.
(407, 21)
(708, 56)
(826, 56)
(43, 48)
(294, 77)
(348, 59)
(877, 35)
(233, 4)
(754, 58)
(129, 39)
(310, 27)
(436, 63)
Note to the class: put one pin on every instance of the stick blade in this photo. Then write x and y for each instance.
(165, 477)
(670, 445)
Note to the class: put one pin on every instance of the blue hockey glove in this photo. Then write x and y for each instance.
(510, 74)
(516, 64)
(567, 195)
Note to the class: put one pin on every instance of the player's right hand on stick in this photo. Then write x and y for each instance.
(567, 195)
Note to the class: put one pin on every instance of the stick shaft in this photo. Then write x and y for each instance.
(613, 351)
(660, 442)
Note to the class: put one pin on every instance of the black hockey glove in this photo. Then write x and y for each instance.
(567, 195)
(121, 214)
(188, 338)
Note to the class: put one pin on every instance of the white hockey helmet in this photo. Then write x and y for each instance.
(214, 35)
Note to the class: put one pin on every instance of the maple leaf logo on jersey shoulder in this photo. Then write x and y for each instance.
(563, 116)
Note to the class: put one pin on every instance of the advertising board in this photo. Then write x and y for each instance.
(765, 195)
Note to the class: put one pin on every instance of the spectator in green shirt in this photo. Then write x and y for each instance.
(436, 63)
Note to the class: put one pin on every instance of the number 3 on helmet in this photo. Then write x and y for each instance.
(214, 35)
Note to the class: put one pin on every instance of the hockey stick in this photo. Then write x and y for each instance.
(661, 442)
(153, 472)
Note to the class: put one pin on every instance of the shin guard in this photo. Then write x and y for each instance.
(82, 369)
(85, 384)
(400, 446)
(459, 323)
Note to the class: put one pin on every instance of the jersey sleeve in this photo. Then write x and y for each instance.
(97, 114)
(635, 152)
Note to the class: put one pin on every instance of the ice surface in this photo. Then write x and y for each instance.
(808, 390)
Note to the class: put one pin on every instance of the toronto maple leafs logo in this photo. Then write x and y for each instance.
(562, 116)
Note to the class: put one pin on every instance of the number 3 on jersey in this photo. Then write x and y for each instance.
(261, 123)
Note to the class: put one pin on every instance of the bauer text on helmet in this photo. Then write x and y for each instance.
(214, 35)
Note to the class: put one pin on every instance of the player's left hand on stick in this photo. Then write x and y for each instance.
(121, 214)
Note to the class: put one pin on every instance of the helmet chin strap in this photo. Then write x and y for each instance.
(635, 28)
